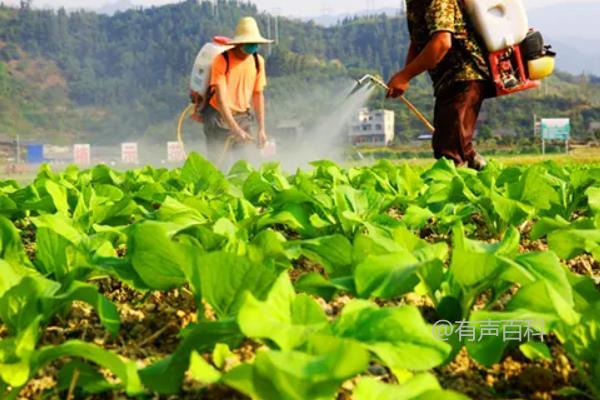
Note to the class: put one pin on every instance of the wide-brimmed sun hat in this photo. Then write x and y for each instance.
(247, 32)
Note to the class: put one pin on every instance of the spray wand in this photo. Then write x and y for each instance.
(371, 80)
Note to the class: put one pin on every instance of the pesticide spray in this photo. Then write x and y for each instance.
(325, 109)
(326, 133)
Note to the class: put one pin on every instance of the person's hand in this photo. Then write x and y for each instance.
(262, 138)
(398, 85)
(242, 136)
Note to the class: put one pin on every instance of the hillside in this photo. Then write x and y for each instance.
(577, 41)
(34, 99)
(125, 75)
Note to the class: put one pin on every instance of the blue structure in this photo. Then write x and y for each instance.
(35, 153)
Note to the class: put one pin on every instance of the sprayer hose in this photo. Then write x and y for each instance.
(188, 110)
(410, 105)
(418, 114)
(226, 147)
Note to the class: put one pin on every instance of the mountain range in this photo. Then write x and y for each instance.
(106, 77)
(571, 28)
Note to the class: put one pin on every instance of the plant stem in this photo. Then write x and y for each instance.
(73, 384)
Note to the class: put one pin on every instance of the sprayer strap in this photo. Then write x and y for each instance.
(256, 63)
(226, 57)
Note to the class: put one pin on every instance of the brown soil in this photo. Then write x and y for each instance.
(482, 231)
(586, 265)
(149, 328)
(334, 308)
(528, 246)
(304, 266)
(515, 377)
(27, 233)
(151, 323)
(395, 213)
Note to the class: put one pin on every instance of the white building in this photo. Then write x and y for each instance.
(372, 128)
(594, 126)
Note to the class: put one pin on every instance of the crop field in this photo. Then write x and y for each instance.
(380, 282)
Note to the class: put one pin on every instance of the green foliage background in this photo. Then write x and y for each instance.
(128, 73)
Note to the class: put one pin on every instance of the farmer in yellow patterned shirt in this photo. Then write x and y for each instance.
(443, 42)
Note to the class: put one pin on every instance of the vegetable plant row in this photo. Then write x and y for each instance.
(263, 255)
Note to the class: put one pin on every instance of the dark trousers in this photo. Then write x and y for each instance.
(457, 108)
(217, 132)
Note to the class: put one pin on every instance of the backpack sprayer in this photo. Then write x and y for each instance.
(199, 84)
(200, 91)
(517, 56)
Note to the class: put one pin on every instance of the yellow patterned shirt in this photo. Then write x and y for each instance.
(466, 60)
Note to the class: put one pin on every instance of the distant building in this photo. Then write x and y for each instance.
(372, 128)
(504, 132)
(17, 151)
(8, 149)
(291, 130)
(10, 152)
(58, 154)
(594, 127)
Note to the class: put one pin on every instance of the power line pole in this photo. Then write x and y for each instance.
(276, 30)
(274, 25)
(18, 149)
(537, 129)
(269, 46)
(216, 8)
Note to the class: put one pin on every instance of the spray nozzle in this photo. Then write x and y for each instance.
(366, 81)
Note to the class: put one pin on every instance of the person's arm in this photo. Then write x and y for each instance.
(412, 54)
(258, 102)
(433, 53)
(223, 101)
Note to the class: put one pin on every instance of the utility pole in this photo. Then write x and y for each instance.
(274, 25)
(216, 8)
(269, 47)
(18, 149)
(540, 131)
(277, 29)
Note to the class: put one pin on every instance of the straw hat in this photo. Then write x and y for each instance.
(247, 32)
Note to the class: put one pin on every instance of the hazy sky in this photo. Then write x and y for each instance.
(299, 8)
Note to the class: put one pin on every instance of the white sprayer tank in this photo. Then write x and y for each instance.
(200, 78)
(501, 23)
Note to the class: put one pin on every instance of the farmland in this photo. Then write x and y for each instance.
(323, 284)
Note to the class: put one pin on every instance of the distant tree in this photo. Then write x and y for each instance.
(485, 133)
(136, 63)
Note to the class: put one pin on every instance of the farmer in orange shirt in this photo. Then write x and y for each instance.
(237, 81)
